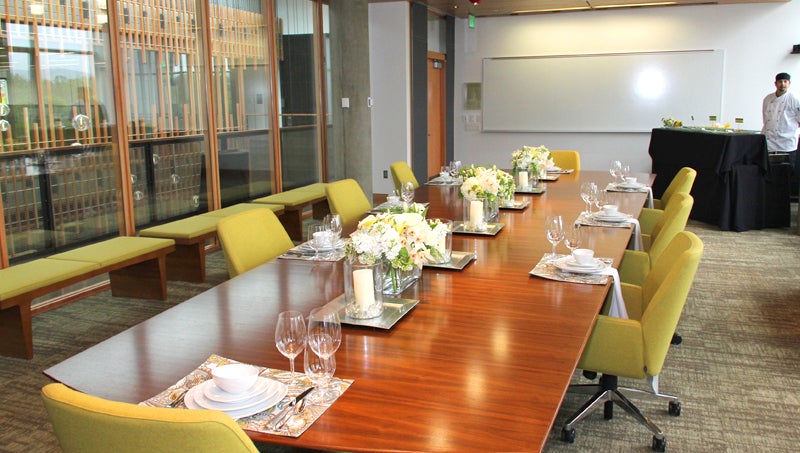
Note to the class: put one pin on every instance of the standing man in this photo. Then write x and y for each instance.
(781, 115)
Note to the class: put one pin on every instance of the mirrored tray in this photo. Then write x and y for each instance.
(394, 308)
(491, 229)
(517, 206)
(535, 190)
(458, 261)
(551, 177)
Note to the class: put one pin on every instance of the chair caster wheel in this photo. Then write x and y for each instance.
(676, 338)
(608, 410)
(590, 375)
(659, 444)
(568, 435)
(675, 408)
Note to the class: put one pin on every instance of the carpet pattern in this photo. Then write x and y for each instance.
(737, 371)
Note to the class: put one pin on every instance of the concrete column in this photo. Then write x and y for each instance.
(350, 150)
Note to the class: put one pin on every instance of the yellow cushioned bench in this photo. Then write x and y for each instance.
(188, 262)
(294, 201)
(136, 268)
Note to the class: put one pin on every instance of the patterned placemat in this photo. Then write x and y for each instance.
(545, 269)
(294, 427)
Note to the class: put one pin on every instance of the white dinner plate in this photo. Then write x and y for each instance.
(613, 219)
(195, 399)
(214, 393)
(568, 264)
(306, 246)
(636, 185)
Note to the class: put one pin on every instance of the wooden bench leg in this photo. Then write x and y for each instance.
(146, 280)
(320, 209)
(187, 263)
(293, 223)
(16, 336)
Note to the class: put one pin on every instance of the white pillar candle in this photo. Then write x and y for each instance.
(364, 288)
(523, 178)
(476, 213)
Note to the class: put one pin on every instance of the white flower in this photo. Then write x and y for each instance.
(527, 156)
(482, 182)
(404, 240)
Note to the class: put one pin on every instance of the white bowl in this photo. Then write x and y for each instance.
(583, 256)
(630, 181)
(610, 209)
(235, 378)
(393, 199)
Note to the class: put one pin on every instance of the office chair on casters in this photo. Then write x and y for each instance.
(402, 173)
(252, 238)
(347, 198)
(682, 182)
(566, 159)
(637, 347)
(85, 423)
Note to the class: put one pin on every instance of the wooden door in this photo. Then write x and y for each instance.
(436, 112)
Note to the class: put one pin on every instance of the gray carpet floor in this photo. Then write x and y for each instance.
(737, 370)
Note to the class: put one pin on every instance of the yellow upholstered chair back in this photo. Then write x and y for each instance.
(681, 183)
(401, 173)
(663, 295)
(85, 423)
(637, 347)
(672, 222)
(251, 238)
(346, 198)
(566, 159)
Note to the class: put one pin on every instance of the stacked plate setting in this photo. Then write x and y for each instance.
(569, 264)
(264, 394)
(616, 217)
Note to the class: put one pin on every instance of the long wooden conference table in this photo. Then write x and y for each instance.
(480, 364)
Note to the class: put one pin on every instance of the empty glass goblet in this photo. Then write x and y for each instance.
(290, 339)
(572, 237)
(407, 192)
(554, 227)
(319, 238)
(588, 195)
(334, 224)
(320, 369)
(615, 168)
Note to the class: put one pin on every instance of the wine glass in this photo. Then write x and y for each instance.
(324, 331)
(572, 237)
(290, 339)
(602, 199)
(318, 238)
(615, 168)
(588, 195)
(407, 192)
(319, 370)
(334, 224)
(554, 226)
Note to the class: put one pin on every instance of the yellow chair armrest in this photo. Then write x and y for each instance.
(634, 267)
(649, 218)
(634, 303)
(615, 347)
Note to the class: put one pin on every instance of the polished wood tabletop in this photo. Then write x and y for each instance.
(481, 363)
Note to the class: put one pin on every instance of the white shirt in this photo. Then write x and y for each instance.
(781, 115)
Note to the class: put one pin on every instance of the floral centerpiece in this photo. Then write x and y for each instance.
(488, 184)
(671, 122)
(403, 242)
(534, 159)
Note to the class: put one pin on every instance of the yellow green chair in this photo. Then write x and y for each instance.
(566, 159)
(636, 348)
(681, 183)
(635, 265)
(346, 198)
(402, 173)
(251, 238)
(654, 221)
(85, 423)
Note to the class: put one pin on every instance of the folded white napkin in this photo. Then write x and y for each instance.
(617, 309)
(637, 235)
(649, 197)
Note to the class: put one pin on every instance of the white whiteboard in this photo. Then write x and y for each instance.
(623, 92)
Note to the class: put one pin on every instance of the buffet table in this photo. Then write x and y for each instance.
(736, 188)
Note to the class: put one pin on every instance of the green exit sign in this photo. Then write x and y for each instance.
(471, 21)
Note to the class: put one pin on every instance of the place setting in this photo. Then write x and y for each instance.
(580, 266)
(448, 176)
(555, 169)
(324, 242)
(608, 215)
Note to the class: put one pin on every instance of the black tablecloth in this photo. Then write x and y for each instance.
(735, 188)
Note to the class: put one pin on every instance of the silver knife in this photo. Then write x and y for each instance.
(287, 410)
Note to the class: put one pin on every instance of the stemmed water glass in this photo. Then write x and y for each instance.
(290, 339)
(554, 226)
(588, 195)
(334, 224)
(602, 199)
(572, 237)
(615, 168)
(324, 338)
(407, 192)
(318, 238)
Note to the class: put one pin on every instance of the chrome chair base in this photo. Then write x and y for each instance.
(609, 393)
